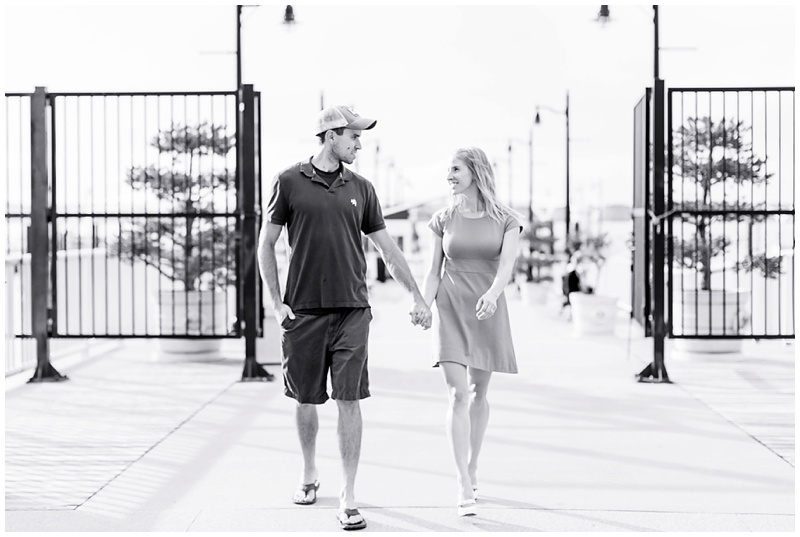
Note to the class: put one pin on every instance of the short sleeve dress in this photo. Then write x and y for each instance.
(471, 258)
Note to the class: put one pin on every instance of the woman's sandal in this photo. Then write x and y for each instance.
(467, 508)
(305, 490)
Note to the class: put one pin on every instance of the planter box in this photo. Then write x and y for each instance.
(192, 313)
(711, 313)
(593, 314)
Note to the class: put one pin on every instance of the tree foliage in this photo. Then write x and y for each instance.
(191, 246)
(716, 169)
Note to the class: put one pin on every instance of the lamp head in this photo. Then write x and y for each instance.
(604, 15)
(288, 15)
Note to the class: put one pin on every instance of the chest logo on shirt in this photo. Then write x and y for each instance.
(354, 202)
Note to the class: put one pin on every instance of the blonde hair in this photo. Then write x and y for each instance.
(483, 175)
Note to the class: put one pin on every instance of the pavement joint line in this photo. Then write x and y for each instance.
(735, 424)
(157, 443)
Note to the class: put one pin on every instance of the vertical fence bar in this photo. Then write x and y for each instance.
(172, 204)
(780, 207)
(724, 173)
(794, 198)
(145, 233)
(54, 208)
(78, 220)
(738, 208)
(39, 246)
(105, 207)
(766, 205)
(212, 220)
(707, 205)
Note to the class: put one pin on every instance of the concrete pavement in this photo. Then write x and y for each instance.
(136, 442)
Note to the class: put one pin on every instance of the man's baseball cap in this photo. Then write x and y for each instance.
(336, 117)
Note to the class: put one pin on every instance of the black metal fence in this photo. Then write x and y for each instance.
(144, 213)
(731, 207)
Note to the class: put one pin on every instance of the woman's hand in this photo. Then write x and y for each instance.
(486, 306)
(421, 315)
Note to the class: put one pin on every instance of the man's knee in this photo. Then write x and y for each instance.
(349, 407)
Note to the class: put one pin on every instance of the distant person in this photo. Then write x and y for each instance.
(573, 279)
(325, 313)
(475, 243)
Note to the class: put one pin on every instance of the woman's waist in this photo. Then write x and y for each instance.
(471, 265)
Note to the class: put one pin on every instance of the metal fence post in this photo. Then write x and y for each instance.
(656, 371)
(246, 161)
(39, 243)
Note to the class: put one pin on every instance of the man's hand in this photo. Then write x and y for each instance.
(281, 312)
(421, 315)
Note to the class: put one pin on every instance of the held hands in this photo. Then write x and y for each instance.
(486, 306)
(421, 315)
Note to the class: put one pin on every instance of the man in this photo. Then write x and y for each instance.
(325, 313)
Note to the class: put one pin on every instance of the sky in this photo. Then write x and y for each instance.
(436, 77)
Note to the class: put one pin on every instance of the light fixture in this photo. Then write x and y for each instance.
(604, 15)
(288, 15)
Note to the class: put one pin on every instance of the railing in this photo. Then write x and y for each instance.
(731, 207)
(139, 212)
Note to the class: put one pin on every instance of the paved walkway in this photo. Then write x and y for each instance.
(135, 442)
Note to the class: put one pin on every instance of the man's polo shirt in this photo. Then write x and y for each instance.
(327, 267)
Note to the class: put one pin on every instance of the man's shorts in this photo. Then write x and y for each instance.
(315, 344)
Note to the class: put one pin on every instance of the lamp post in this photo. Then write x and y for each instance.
(655, 371)
(246, 204)
(288, 18)
(537, 121)
(510, 175)
(511, 142)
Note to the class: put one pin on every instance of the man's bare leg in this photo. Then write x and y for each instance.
(349, 431)
(307, 428)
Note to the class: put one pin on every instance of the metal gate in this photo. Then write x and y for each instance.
(134, 215)
(730, 206)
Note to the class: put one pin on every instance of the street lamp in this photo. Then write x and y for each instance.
(511, 142)
(537, 121)
(656, 370)
(288, 18)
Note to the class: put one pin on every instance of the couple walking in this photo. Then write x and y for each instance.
(325, 314)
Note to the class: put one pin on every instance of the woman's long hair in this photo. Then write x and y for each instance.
(483, 176)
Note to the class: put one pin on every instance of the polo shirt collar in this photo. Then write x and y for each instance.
(307, 169)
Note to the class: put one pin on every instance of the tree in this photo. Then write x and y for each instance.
(191, 247)
(715, 164)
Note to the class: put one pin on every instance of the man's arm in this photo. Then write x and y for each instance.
(400, 271)
(434, 276)
(268, 266)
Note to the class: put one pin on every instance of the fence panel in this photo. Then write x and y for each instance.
(731, 200)
(144, 211)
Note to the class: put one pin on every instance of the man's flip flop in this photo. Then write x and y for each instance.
(346, 520)
(305, 490)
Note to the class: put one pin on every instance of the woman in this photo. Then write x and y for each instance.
(474, 248)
